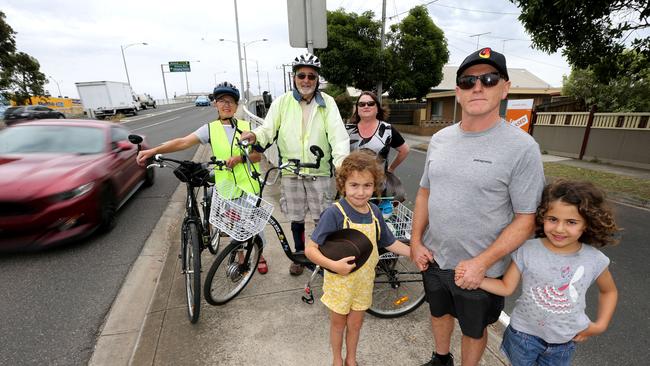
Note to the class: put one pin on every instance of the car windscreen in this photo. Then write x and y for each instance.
(52, 139)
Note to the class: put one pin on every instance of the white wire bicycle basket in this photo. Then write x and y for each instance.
(400, 221)
(238, 213)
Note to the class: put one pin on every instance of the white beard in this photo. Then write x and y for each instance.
(306, 90)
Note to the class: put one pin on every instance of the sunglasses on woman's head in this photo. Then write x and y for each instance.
(311, 77)
(468, 81)
(369, 104)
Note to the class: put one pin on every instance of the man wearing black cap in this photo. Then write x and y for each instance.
(480, 189)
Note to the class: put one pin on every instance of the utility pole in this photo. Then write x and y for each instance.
(284, 77)
(380, 84)
(162, 71)
(478, 36)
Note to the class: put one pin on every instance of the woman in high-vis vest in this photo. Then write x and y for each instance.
(222, 135)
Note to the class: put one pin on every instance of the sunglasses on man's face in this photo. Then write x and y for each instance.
(369, 104)
(468, 81)
(302, 76)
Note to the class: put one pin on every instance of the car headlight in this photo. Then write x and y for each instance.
(73, 193)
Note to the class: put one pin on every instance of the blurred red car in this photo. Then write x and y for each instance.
(63, 180)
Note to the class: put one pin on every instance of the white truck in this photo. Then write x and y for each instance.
(145, 101)
(107, 98)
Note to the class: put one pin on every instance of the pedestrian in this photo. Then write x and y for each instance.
(295, 121)
(556, 270)
(369, 130)
(348, 295)
(221, 134)
(481, 186)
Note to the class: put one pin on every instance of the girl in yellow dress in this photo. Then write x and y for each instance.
(348, 295)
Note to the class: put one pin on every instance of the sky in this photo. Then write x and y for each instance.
(82, 40)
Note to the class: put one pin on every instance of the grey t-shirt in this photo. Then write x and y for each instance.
(477, 181)
(203, 133)
(552, 301)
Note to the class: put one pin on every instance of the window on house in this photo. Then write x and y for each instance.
(436, 108)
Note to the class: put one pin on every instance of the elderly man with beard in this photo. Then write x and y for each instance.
(296, 120)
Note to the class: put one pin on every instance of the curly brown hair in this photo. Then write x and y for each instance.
(360, 161)
(590, 201)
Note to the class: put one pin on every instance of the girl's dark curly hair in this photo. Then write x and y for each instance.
(590, 202)
(359, 161)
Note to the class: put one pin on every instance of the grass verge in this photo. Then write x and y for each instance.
(614, 184)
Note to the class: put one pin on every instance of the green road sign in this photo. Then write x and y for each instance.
(179, 66)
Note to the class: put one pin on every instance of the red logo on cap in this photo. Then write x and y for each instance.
(485, 53)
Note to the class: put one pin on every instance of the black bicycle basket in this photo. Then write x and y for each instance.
(193, 173)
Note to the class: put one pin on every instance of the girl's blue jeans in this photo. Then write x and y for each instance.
(523, 349)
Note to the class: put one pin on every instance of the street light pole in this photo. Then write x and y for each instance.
(124, 58)
(241, 75)
(243, 45)
(187, 86)
(259, 87)
(57, 85)
(248, 85)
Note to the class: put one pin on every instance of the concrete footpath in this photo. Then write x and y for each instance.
(268, 323)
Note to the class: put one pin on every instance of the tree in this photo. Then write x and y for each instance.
(417, 53)
(626, 93)
(352, 53)
(24, 78)
(591, 33)
(409, 66)
(20, 75)
(7, 41)
(7, 48)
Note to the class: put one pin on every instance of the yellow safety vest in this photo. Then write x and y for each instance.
(223, 149)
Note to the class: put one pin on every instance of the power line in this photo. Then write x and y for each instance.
(477, 10)
(457, 8)
(406, 11)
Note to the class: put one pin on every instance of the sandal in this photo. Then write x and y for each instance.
(262, 267)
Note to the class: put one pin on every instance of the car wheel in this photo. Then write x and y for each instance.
(154, 105)
(135, 111)
(149, 176)
(107, 210)
(61, 116)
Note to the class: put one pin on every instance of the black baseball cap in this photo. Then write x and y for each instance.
(485, 56)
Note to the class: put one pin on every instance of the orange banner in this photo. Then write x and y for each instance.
(519, 113)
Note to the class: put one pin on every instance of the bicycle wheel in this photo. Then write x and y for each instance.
(398, 287)
(214, 240)
(191, 257)
(230, 273)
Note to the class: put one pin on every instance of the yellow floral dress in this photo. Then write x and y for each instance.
(342, 293)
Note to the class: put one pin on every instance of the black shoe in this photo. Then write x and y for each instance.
(435, 361)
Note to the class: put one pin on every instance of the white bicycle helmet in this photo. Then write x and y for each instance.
(306, 59)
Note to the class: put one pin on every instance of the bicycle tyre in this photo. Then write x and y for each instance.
(191, 257)
(214, 241)
(227, 278)
(398, 288)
